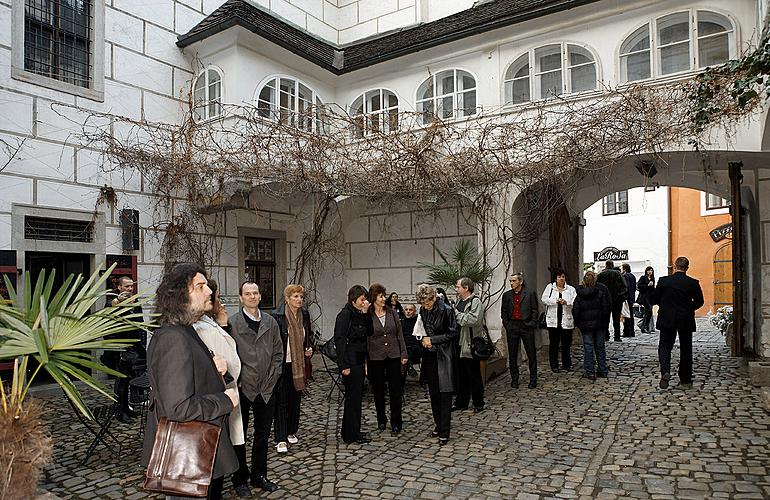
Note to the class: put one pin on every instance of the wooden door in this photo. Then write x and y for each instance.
(723, 276)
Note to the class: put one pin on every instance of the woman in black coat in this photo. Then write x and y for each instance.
(591, 311)
(351, 329)
(646, 287)
(438, 360)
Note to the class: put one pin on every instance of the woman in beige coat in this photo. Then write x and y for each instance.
(211, 332)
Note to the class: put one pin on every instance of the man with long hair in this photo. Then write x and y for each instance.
(185, 377)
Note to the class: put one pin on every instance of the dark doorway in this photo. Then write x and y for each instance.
(64, 264)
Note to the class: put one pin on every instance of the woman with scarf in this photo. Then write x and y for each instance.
(296, 334)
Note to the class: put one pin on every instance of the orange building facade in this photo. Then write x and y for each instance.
(701, 231)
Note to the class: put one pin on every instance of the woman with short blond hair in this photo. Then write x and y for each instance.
(296, 334)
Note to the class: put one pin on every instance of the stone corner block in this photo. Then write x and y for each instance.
(759, 373)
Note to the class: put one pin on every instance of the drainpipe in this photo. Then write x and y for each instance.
(670, 258)
(734, 171)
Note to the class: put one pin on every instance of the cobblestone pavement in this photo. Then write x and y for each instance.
(570, 438)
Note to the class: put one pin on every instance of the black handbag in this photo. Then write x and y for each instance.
(541, 323)
(639, 311)
(482, 347)
(329, 349)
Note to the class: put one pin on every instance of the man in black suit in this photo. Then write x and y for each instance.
(611, 278)
(519, 312)
(678, 296)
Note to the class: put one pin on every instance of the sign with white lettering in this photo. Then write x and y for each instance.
(721, 232)
(610, 253)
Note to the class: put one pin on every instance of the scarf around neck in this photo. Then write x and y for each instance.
(297, 348)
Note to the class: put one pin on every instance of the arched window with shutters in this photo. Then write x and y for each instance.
(676, 42)
(447, 95)
(291, 102)
(548, 71)
(207, 94)
(374, 111)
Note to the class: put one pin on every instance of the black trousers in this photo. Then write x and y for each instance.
(628, 323)
(382, 371)
(647, 324)
(516, 335)
(666, 344)
(440, 402)
(287, 404)
(351, 415)
(560, 340)
(617, 306)
(263, 420)
(469, 383)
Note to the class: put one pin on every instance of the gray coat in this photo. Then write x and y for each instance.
(185, 387)
(261, 354)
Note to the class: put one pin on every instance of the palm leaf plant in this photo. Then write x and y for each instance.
(58, 330)
(462, 261)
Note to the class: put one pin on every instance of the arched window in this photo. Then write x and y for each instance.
(446, 95)
(549, 71)
(291, 103)
(683, 41)
(207, 94)
(375, 111)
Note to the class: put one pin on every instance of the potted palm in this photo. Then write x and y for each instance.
(57, 329)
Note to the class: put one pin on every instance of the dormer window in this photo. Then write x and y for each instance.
(447, 95)
(207, 94)
(291, 103)
(374, 111)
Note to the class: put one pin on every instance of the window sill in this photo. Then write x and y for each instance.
(51, 83)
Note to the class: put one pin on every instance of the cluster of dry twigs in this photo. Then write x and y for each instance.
(544, 148)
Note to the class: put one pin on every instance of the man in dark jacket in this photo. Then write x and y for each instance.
(678, 297)
(186, 380)
(519, 312)
(630, 281)
(261, 352)
(611, 278)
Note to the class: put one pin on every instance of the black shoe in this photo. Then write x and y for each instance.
(124, 418)
(514, 384)
(618, 339)
(242, 490)
(433, 433)
(601, 375)
(458, 408)
(264, 483)
(363, 439)
(663, 384)
(532, 385)
(478, 409)
(381, 427)
(589, 376)
(684, 386)
(556, 370)
(442, 441)
(395, 431)
(567, 368)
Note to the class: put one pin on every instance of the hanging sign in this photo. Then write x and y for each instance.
(610, 253)
(721, 232)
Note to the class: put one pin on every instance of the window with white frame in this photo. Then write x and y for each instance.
(682, 41)
(207, 94)
(549, 71)
(446, 95)
(615, 203)
(374, 111)
(714, 202)
(292, 103)
(59, 44)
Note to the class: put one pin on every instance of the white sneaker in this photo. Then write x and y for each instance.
(282, 447)
(292, 439)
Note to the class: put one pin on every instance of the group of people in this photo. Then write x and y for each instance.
(205, 365)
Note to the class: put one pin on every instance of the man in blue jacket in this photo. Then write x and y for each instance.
(678, 297)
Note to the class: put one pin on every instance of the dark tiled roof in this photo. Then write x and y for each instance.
(480, 18)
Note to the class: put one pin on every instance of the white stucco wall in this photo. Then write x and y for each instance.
(643, 231)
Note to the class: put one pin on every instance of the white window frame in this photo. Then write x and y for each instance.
(535, 93)
(207, 100)
(649, 51)
(704, 205)
(317, 125)
(95, 90)
(693, 42)
(615, 203)
(455, 94)
(363, 122)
